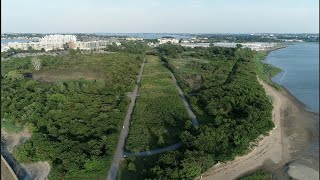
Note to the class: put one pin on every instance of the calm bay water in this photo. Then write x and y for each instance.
(6, 41)
(300, 65)
(150, 35)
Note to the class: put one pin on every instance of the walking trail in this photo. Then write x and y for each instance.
(191, 115)
(118, 156)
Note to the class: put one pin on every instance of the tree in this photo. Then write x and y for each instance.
(239, 46)
(65, 46)
(36, 63)
(30, 49)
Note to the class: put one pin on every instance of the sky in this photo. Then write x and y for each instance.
(160, 16)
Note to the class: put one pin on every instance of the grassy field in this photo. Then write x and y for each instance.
(159, 114)
(266, 71)
(191, 72)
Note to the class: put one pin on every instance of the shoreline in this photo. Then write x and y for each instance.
(286, 145)
(297, 141)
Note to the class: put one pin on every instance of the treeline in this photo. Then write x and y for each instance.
(12, 51)
(75, 124)
(233, 109)
(128, 47)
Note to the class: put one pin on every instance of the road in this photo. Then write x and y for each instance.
(152, 152)
(192, 116)
(118, 156)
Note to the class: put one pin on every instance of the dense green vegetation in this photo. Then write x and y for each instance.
(159, 115)
(74, 106)
(233, 109)
(12, 51)
(129, 47)
(258, 175)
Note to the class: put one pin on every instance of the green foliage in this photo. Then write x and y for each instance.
(10, 126)
(266, 71)
(128, 47)
(75, 122)
(14, 75)
(258, 175)
(232, 107)
(159, 115)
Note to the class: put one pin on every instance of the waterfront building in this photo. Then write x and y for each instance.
(165, 40)
(134, 39)
(57, 38)
(91, 44)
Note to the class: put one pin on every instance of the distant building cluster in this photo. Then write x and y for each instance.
(91, 44)
(53, 42)
(134, 39)
(258, 46)
(36, 45)
(48, 42)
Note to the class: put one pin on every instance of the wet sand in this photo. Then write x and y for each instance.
(290, 148)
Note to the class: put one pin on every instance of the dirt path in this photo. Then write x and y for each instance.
(155, 151)
(118, 156)
(191, 115)
(285, 142)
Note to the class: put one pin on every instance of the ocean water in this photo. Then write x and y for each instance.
(6, 41)
(151, 35)
(300, 75)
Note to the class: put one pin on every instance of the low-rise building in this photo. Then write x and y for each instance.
(165, 40)
(134, 39)
(52, 42)
(258, 46)
(91, 44)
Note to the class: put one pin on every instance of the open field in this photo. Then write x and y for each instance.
(159, 115)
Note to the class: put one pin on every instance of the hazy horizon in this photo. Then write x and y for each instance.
(155, 16)
(152, 33)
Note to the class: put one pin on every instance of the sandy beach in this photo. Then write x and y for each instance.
(290, 148)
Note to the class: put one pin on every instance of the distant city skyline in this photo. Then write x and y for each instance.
(155, 16)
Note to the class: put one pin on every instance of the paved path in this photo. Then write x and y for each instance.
(118, 156)
(185, 102)
(152, 152)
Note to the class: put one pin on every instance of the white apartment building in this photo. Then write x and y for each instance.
(36, 45)
(168, 40)
(4, 48)
(51, 42)
(92, 44)
(134, 39)
(57, 38)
